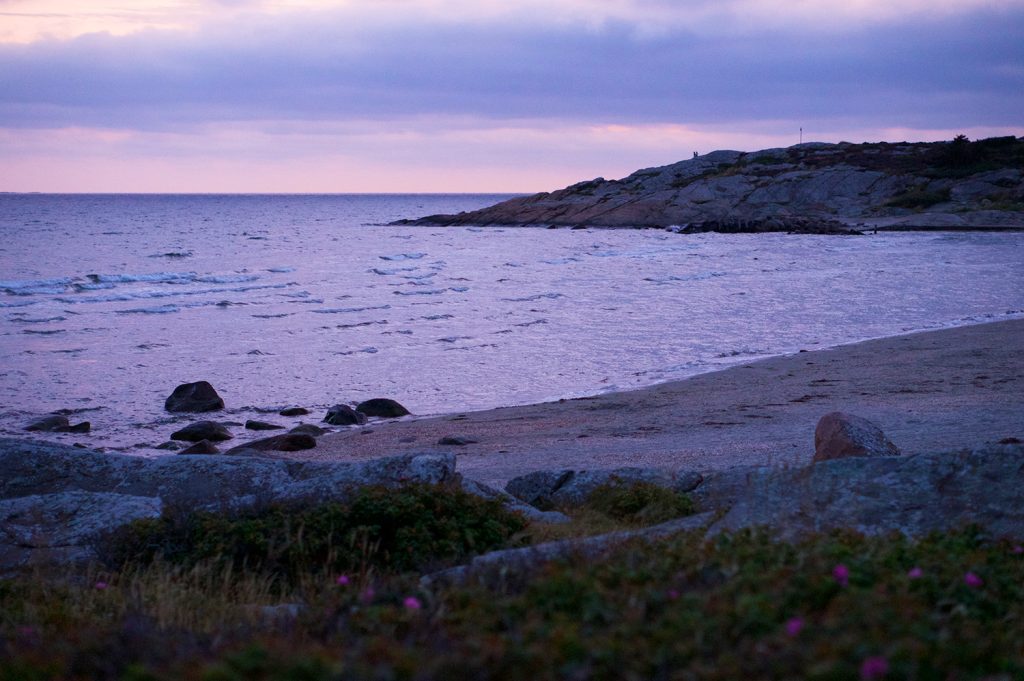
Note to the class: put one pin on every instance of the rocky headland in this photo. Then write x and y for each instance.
(807, 188)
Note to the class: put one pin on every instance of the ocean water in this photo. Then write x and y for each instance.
(108, 302)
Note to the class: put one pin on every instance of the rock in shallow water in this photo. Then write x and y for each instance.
(202, 430)
(194, 398)
(309, 429)
(262, 425)
(48, 424)
(294, 411)
(382, 407)
(288, 442)
(344, 415)
(201, 447)
(840, 435)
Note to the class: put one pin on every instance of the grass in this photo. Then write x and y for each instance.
(739, 606)
(919, 198)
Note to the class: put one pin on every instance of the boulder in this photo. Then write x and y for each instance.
(556, 488)
(201, 447)
(309, 429)
(456, 441)
(202, 430)
(262, 425)
(170, 445)
(287, 442)
(83, 427)
(49, 424)
(294, 411)
(382, 407)
(840, 435)
(194, 398)
(344, 415)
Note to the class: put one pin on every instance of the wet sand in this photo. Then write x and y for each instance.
(932, 391)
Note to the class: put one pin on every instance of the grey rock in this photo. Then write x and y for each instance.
(525, 560)
(309, 429)
(839, 435)
(194, 398)
(558, 488)
(913, 495)
(344, 415)
(456, 441)
(47, 529)
(532, 514)
(382, 407)
(48, 424)
(201, 447)
(288, 442)
(262, 425)
(294, 411)
(170, 445)
(83, 427)
(202, 430)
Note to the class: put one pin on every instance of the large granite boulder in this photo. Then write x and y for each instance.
(382, 407)
(202, 430)
(558, 488)
(194, 398)
(840, 435)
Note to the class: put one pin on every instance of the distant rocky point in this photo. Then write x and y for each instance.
(809, 188)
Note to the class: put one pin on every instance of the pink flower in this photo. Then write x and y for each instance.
(794, 626)
(342, 580)
(915, 573)
(1017, 550)
(673, 594)
(972, 580)
(874, 668)
(100, 586)
(841, 574)
(412, 603)
(368, 594)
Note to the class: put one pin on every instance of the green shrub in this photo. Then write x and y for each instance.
(416, 527)
(639, 502)
(919, 197)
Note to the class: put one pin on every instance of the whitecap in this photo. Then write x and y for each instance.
(403, 256)
(393, 270)
(538, 296)
(155, 277)
(226, 278)
(281, 270)
(430, 292)
(160, 309)
(344, 310)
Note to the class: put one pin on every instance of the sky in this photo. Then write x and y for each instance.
(477, 95)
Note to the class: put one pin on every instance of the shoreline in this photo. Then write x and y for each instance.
(933, 390)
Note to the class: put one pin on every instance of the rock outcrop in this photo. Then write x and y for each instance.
(812, 187)
(55, 500)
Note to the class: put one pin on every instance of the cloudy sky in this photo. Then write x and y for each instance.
(476, 95)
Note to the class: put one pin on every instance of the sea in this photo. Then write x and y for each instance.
(107, 302)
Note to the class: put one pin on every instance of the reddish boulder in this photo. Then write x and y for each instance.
(840, 435)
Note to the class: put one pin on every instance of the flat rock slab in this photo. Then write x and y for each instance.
(912, 495)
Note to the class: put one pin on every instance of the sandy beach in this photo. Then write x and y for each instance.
(930, 391)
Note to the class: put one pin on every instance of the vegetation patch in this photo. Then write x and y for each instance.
(639, 503)
(417, 527)
(919, 198)
(739, 606)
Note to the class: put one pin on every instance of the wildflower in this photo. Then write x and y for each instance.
(100, 586)
(673, 594)
(794, 626)
(841, 574)
(874, 668)
(368, 594)
(412, 603)
(342, 580)
(1017, 550)
(915, 573)
(972, 580)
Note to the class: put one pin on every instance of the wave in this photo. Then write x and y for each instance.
(402, 256)
(345, 310)
(144, 295)
(538, 296)
(701, 276)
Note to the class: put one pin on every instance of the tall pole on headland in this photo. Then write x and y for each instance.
(801, 135)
